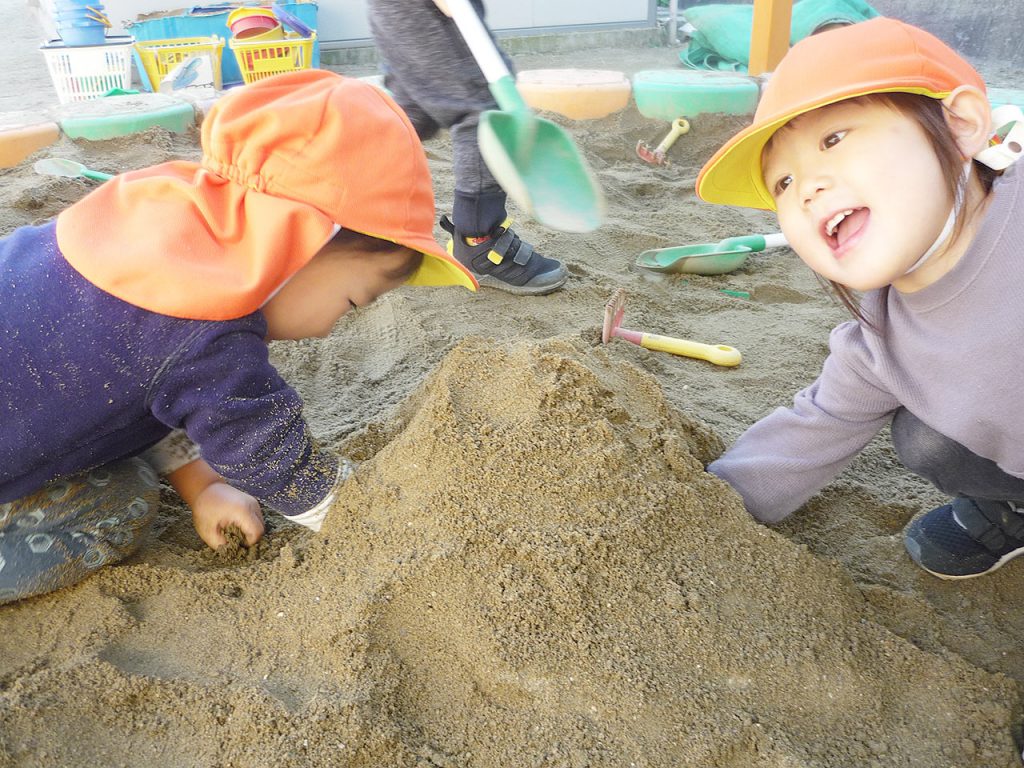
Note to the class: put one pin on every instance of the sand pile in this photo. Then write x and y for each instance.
(530, 567)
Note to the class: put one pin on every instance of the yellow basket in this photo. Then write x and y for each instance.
(158, 57)
(272, 57)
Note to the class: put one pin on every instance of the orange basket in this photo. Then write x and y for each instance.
(259, 60)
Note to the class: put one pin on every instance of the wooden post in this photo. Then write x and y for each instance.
(769, 39)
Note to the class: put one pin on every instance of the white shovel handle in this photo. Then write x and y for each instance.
(479, 40)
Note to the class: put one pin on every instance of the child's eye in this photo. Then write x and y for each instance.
(832, 139)
(782, 184)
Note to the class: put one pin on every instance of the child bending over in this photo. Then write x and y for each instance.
(133, 328)
(867, 144)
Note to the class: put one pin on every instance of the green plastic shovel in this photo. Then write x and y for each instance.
(58, 166)
(534, 160)
(709, 258)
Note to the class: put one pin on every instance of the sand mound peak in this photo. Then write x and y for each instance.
(496, 424)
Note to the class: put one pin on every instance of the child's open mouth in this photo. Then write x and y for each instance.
(843, 226)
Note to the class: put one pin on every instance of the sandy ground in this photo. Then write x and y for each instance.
(530, 567)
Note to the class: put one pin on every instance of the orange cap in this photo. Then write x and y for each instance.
(877, 56)
(284, 160)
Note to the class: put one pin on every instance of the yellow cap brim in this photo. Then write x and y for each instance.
(733, 174)
(437, 270)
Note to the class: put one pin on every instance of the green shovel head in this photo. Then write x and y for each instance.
(693, 259)
(538, 165)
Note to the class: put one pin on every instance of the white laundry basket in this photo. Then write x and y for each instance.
(86, 72)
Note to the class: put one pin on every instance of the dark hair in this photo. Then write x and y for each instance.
(929, 113)
(349, 238)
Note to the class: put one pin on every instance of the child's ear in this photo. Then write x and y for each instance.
(969, 118)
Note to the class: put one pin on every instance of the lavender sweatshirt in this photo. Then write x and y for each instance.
(86, 379)
(951, 353)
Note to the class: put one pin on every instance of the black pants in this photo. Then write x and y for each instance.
(948, 465)
(433, 76)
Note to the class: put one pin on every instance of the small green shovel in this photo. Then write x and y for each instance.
(534, 160)
(709, 258)
(58, 166)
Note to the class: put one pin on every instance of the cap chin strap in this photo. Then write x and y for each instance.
(947, 228)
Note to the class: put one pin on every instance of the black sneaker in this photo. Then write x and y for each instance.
(506, 262)
(967, 538)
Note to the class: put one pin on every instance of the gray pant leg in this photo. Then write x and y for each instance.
(438, 83)
(948, 465)
(60, 534)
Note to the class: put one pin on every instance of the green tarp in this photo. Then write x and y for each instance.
(721, 39)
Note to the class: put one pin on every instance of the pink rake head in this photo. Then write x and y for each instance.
(614, 310)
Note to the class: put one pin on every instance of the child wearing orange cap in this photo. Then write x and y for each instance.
(874, 145)
(133, 328)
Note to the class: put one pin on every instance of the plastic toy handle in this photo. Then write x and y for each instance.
(719, 354)
(291, 20)
(487, 56)
(479, 41)
(679, 126)
(753, 242)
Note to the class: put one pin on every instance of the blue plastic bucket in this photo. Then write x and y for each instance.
(75, 33)
(82, 15)
(72, 5)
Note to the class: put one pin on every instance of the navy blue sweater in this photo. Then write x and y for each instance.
(86, 378)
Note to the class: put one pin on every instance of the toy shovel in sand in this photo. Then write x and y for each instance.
(58, 166)
(658, 155)
(709, 258)
(534, 160)
(719, 354)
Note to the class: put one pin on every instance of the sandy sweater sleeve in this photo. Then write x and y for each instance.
(222, 390)
(791, 454)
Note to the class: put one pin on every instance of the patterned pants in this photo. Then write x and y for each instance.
(63, 532)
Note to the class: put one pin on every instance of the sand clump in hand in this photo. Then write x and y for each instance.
(530, 567)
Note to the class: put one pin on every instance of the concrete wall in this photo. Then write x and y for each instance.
(343, 22)
(990, 29)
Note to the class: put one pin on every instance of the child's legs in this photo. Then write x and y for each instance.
(69, 528)
(948, 465)
(436, 80)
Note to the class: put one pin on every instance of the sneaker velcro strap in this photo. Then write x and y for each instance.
(1013, 521)
(974, 516)
(523, 253)
(1003, 515)
(503, 242)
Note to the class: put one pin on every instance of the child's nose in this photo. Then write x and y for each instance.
(812, 186)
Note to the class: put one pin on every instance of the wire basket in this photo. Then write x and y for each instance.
(81, 73)
(260, 60)
(158, 57)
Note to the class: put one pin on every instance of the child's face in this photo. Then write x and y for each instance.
(860, 192)
(335, 281)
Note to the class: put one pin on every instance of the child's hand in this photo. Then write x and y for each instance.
(219, 505)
